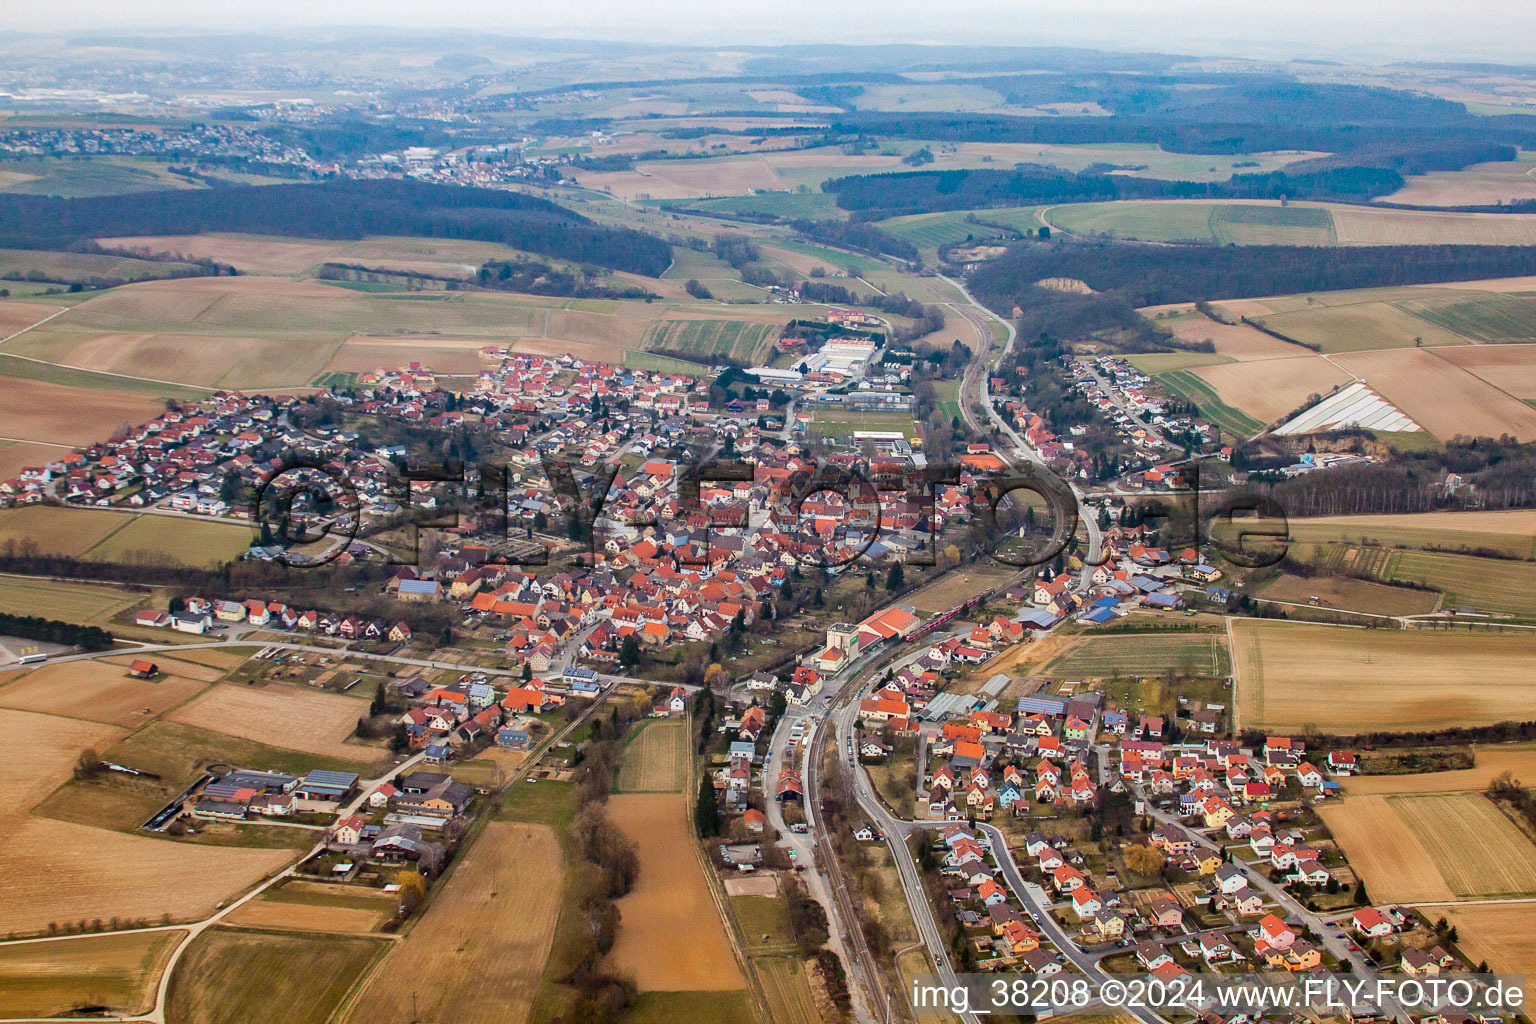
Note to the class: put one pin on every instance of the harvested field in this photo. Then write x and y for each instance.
(119, 972)
(1383, 851)
(1478, 850)
(18, 316)
(223, 659)
(16, 456)
(1517, 759)
(228, 976)
(171, 540)
(1499, 933)
(1362, 226)
(655, 760)
(1351, 595)
(1477, 185)
(303, 917)
(1097, 657)
(1227, 417)
(1510, 368)
(1269, 389)
(1343, 680)
(442, 355)
(1235, 341)
(113, 874)
(281, 716)
(96, 690)
(276, 254)
(185, 668)
(62, 531)
(671, 938)
(1510, 532)
(484, 936)
(1442, 398)
(36, 410)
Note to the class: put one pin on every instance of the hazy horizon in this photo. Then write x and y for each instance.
(1501, 31)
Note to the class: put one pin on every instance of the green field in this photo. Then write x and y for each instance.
(229, 977)
(1486, 584)
(764, 922)
(841, 423)
(789, 205)
(1200, 654)
(655, 759)
(1493, 317)
(1484, 532)
(1154, 363)
(167, 540)
(741, 340)
(673, 1007)
(932, 230)
(1212, 223)
(661, 364)
(1230, 420)
(71, 602)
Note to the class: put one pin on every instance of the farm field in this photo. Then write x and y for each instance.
(1351, 594)
(1498, 318)
(72, 602)
(278, 254)
(1477, 849)
(1156, 363)
(1364, 325)
(228, 976)
(671, 1007)
(66, 267)
(443, 355)
(1486, 584)
(37, 410)
(290, 717)
(706, 339)
(1477, 185)
(787, 990)
(96, 690)
(18, 316)
(1216, 222)
(1512, 532)
(1383, 851)
(94, 176)
(655, 760)
(62, 531)
(1354, 680)
(301, 917)
(1357, 225)
(162, 540)
(502, 890)
(671, 938)
(1098, 657)
(1511, 368)
(120, 972)
(127, 876)
(1499, 933)
(1519, 759)
(1442, 398)
(1190, 385)
(1234, 341)
(1268, 389)
(18, 455)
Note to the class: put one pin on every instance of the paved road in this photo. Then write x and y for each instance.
(1324, 926)
(976, 382)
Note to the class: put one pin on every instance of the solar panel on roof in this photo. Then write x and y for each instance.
(322, 777)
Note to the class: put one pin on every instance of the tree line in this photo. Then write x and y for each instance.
(69, 634)
(336, 209)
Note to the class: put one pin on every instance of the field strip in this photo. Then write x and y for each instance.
(1486, 380)
(106, 373)
(1474, 903)
(28, 440)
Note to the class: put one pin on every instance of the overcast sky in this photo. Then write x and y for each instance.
(1503, 30)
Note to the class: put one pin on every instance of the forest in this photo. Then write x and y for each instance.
(1147, 275)
(341, 210)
